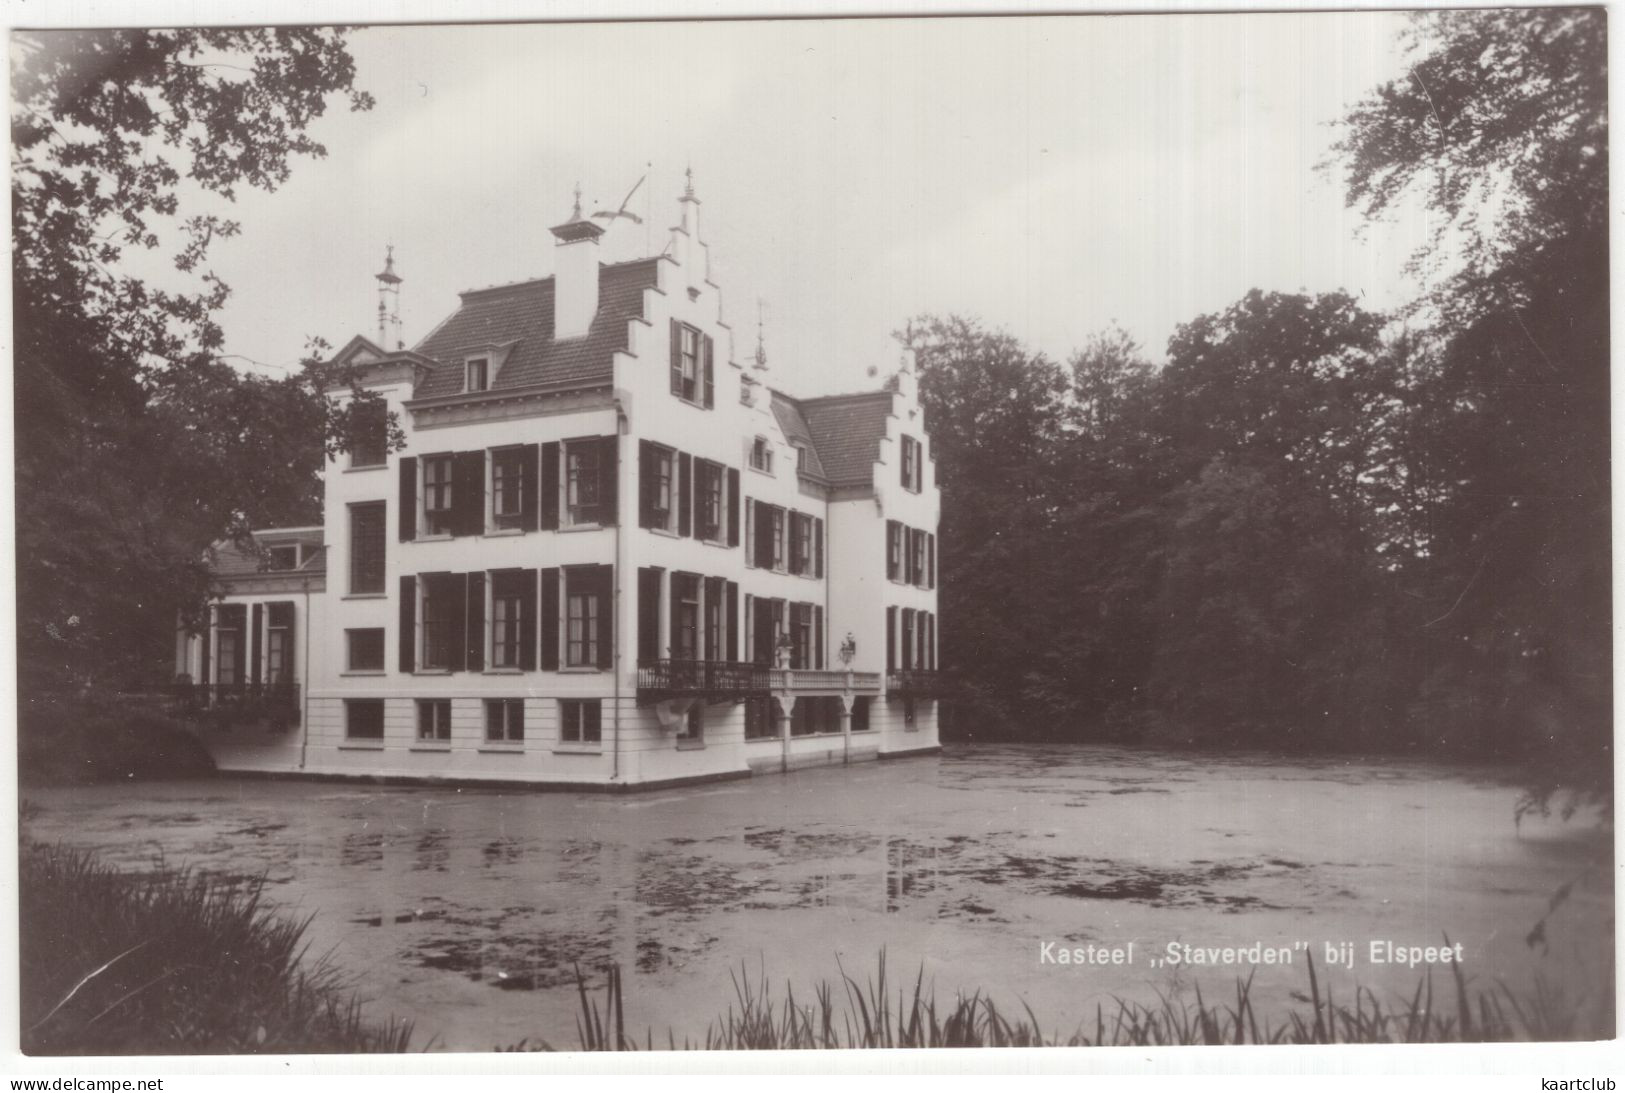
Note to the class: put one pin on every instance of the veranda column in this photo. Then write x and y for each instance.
(847, 702)
(785, 704)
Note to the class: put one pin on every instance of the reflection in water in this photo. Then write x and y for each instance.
(911, 872)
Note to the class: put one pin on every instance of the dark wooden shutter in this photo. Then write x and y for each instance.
(648, 614)
(674, 647)
(891, 550)
(529, 467)
(733, 506)
(550, 486)
(930, 560)
(409, 623)
(931, 643)
(685, 493)
(891, 639)
(730, 621)
(818, 547)
(254, 652)
(677, 358)
(527, 620)
(750, 628)
(609, 480)
(211, 620)
(550, 619)
(818, 636)
(646, 484)
(468, 494)
(764, 535)
(604, 584)
(456, 586)
(474, 629)
(910, 639)
(409, 498)
(709, 378)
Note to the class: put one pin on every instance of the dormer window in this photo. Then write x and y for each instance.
(285, 556)
(801, 457)
(761, 455)
(479, 374)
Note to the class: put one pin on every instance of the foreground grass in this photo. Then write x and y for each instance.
(849, 1015)
(171, 962)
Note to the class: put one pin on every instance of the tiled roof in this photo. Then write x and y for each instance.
(523, 314)
(846, 431)
(795, 428)
(232, 561)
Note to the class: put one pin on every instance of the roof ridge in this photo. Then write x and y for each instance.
(604, 267)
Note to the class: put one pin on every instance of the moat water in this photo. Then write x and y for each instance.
(467, 912)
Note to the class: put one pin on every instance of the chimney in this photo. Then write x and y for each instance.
(575, 275)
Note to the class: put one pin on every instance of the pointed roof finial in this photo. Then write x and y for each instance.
(575, 214)
(688, 175)
(761, 341)
(389, 275)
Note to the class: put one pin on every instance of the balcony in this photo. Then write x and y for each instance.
(714, 679)
(719, 680)
(914, 682)
(226, 704)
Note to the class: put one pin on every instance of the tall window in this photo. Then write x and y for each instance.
(437, 515)
(364, 718)
(370, 442)
(439, 614)
(434, 719)
(580, 721)
(801, 542)
(367, 547)
(479, 374)
(777, 528)
(894, 550)
(918, 538)
(660, 486)
(506, 603)
(581, 625)
(685, 615)
(507, 487)
(686, 379)
(366, 649)
(228, 642)
(710, 499)
(505, 720)
(761, 455)
(583, 488)
(279, 644)
(713, 624)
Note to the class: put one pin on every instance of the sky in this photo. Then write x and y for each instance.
(1047, 175)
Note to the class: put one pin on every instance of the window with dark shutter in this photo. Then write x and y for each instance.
(731, 621)
(468, 494)
(527, 620)
(609, 465)
(677, 358)
(279, 643)
(733, 506)
(550, 619)
(507, 618)
(408, 627)
(894, 550)
(891, 639)
(550, 486)
(930, 560)
(508, 488)
(529, 486)
(750, 534)
(685, 616)
(712, 626)
(818, 637)
(474, 623)
(818, 548)
(648, 614)
(710, 399)
(908, 639)
(408, 502)
(255, 628)
(685, 493)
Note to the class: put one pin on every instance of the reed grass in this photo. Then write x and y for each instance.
(173, 962)
(847, 1014)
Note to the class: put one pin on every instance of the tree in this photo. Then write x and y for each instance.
(136, 446)
(1501, 126)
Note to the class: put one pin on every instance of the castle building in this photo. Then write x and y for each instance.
(609, 554)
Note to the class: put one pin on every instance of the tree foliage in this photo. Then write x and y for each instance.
(1315, 526)
(136, 446)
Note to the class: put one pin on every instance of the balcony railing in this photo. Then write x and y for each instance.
(236, 703)
(658, 679)
(661, 679)
(920, 682)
